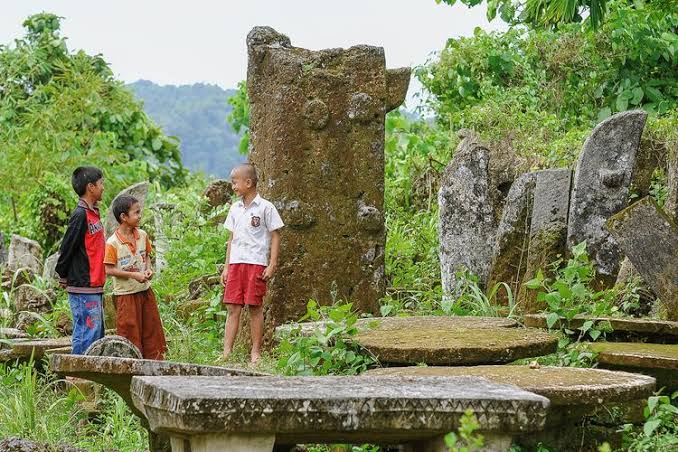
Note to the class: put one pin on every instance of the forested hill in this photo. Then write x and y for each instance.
(197, 115)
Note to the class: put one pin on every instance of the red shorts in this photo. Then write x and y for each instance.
(245, 285)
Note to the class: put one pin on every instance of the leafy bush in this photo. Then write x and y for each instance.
(328, 350)
(660, 430)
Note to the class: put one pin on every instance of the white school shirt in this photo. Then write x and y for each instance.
(251, 229)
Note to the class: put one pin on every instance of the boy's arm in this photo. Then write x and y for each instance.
(72, 239)
(273, 262)
(224, 273)
(112, 270)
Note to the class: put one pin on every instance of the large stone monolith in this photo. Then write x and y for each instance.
(548, 229)
(317, 141)
(509, 260)
(470, 202)
(26, 253)
(601, 188)
(649, 238)
(139, 191)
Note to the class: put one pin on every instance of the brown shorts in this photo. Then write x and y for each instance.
(138, 320)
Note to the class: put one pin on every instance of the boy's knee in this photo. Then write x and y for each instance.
(234, 309)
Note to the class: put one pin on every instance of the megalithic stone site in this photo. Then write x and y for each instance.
(317, 141)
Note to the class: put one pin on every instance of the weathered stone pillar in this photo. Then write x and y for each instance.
(601, 188)
(317, 141)
(649, 238)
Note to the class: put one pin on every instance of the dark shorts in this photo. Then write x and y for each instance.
(245, 284)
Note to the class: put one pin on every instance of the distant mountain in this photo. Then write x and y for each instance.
(196, 114)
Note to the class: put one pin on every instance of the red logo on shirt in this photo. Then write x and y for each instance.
(256, 221)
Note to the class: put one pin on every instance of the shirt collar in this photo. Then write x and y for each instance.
(85, 204)
(120, 237)
(256, 200)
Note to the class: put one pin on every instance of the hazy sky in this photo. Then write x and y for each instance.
(172, 42)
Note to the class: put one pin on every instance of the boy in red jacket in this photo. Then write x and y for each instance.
(81, 259)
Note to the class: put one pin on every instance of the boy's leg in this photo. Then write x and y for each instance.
(153, 337)
(77, 307)
(91, 321)
(128, 319)
(256, 329)
(232, 324)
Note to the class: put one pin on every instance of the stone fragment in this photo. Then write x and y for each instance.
(3, 250)
(23, 275)
(671, 206)
(317, 140)
(24, 445)
(218, 192)
(649, 238)
(30, 298)
(509, 259)
(548, 229)
(116, 346)
(139, 191)
(49, 270)
(163, 214)
(25, 348)
(12, 333)
(470, 202)
(455, 347)
(657, 360)
(563, 386)
(24, 252)
(601, 188)
(392, 410)
(643, 330)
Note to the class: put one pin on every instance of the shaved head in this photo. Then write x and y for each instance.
(246, 171)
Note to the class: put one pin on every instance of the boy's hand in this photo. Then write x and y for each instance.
(149, 274)
(269, 272)
(63, 283)
(224, 275)
(138, 276)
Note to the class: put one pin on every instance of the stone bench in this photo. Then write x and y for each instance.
(662, 331)
(657, 360)
(577, 395)
(23, 349)
(253, 414)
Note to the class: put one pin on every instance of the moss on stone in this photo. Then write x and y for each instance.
(665, 351)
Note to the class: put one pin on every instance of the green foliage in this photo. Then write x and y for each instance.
(197, 114)
(541, 91)
(660, 429)
(240, 116)
(328, 350)
(59, 110)
(466, 439)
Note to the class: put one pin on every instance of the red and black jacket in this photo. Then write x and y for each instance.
(81, 258)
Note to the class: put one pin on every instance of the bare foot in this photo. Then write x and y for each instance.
(254, 358)
(226, 355)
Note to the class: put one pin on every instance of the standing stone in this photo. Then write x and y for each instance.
(671, 206)
(163, 215)
(116, 346)
(139, 191)
(601, 188)
(3, 250)
(649, 238)
(49, 272)
(317, 141)
(548, 229)
(470, 202)
(24, 252)
(513, 236)
(218, 193)
(29, 298)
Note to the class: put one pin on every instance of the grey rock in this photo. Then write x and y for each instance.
(218, 192)
(139, 191)
(24, 349)
(317, 139)
(469, 204)
(548, 229)
(332, 409)
(116, 346)
(12, 333)
(509, 259)
(30, 298)
(24, 252)
(3, 250)
(49, 269)
(23, 275)
(649, 238)
(24, 445)
(601, 188)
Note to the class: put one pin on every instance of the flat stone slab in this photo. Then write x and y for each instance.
(642, 327)
(456, 346)
(398, 323)
(23, 348)
(116, 373)
(563, 386)
(334, 409)
(658, 360)
(12, 333)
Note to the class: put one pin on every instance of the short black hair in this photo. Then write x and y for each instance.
(122, 204)
(84, 175)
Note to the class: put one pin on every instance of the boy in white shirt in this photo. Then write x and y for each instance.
(254, 224)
